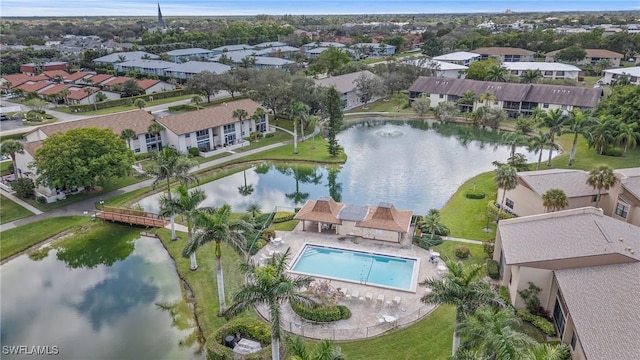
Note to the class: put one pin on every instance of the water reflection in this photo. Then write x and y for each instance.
(416, 167)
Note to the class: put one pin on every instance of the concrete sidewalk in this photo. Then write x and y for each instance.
(21, 203)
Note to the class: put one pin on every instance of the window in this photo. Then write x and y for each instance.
(622, 210)
(441, 96)
(187, 135)
(558, 317)
(574, 339)
(564, 107)
(594, 198)
(545, 106)
(509, 203)
(548, 73)
(559, 73)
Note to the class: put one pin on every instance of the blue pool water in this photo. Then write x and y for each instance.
(356, 266)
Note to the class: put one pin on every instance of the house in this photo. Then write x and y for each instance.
(547, 70)
(152, 67)
(79, 96)
(12, 80)
(322, 44)
(78, 76)
(263, 62)
(587, 265)
(373, 50)
(214, 127)
(31, 86)
(189, 54)
(55, 74)
(228, 48)
(514, 98)
(347, 87)
(285, 52)
(98, 79)
(33, 69)
(151, 86)
(190, 69)
(623, 202)
(610, 75)
(383, 222)
(441, 69)
(119, 57)
(270, 44)
(526, 198)
(459, 57)
(505, 54)
(592, 58)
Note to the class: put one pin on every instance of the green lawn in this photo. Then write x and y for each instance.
(10, 211)
(447, 248)
(14, 240)
(587, 159)
(4, 166)
(466, 218)
(285, 226)
(312, 150)
(429, 339)
(392, 105)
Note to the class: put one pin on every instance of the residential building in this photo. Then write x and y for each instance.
(322, 44)
(382, 223)
(373, 50)
(150, 86)
(553, 71)
(98, 79)
(264, 62)
(119, 57)
(152, 67)
(82, 96)
(441, 69)
(514, 98)
(228, 48)
(190, 69)
(9, 81)
(623, 202)
(270, 44)
(592, 58)
(347, 87)
(213, 128)
(587, 266)
(505, 54)
(284, 52)
(78, 76)
(182, 55)
(459, 57)
(610, 75)
(34, 69)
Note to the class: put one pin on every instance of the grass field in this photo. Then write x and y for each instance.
(447, 248)
(10, 211)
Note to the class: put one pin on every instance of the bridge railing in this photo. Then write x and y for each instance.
(133, 212)
(131, 219)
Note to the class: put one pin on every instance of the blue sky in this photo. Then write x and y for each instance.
(170, 8)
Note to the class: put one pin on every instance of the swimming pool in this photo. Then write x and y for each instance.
(360, 267)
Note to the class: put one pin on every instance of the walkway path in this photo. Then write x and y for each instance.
(21, 203)
(463, 240)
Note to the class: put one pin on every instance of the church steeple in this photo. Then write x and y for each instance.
(161, 23)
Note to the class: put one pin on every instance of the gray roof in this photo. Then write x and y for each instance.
(457, 56)
(236, 56)
(377, 46)
(604, 305)
(148, 64)
(343, 83)
(318, 50)
(552, 94)
(269, 50)
(272, 61)
(572, 182)
(569, 234)
(129, 55)
(232, 47)
(324, 44)
(191, 51)
(270, 44)
(350, 212)
(631, 180)
(194, 67)
(542, 66)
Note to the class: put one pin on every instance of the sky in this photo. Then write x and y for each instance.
(80, 8)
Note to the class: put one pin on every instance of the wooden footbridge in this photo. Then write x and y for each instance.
(131, 217)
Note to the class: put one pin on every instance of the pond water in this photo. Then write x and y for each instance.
(94, 305)
(413, 164)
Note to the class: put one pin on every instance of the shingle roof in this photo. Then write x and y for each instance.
(191, 51)
(344, 83)
(207, 118)
(147, 64)
(457, 56)
(387, 217)
(53, 89)
(137, 120)
(600, 53)
(265, 60)
(147, 83)
(322, 210)
(76, 93)
(572, 182)
(604, 305)
(630, 180)
(129, 55)
(230, 48)
(53, 73)
(32, 147)
(631, 71)
(270, 44)
(194, 67)
(569, 234)
(116, 80)
(32, 86)
(97, 79)
(15, 79)
(553, 94)
(502, 51)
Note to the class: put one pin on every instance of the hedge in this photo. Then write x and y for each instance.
(493, 269)
(538, 321)
(124, 101)
(425, 241)
(248, 328)
(183, 107)
(321, 313)
(283, 216)
(503, 292)
(476, 195)
(492, 209)
(462, 252)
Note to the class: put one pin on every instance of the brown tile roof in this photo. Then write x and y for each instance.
(600, 53)
(572, 182)
(502, 51)
(603, 304)
(32, 147)
(97, 79)
(15, 79)
(32, 86)
(344, 83)
(387, 217)
(569, 234)
(53, 89)
(147, 83)
(207, 118)
(116, 81)
(78, 75)
(322, 210)
(53, 73)
(137, 120)
(77, 93)
(40, 77)
(554, 94)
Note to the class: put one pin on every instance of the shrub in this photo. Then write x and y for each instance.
(461, 252)
(246, 327)
(183, 107)
(530, 297)
(41, 200)
(143, 156)
(492, 210)
(269, 135)
(488, 249)
(321, 313)
(425, 241)
(493, 269)
(503, 292)
(344, 311)
(475, 195)
(541, 323)
(283, 216)
(23, 187)
(613, 151)
(268, 234)
(255, 136)
(194, 151)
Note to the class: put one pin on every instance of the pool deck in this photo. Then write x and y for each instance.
(370, 316)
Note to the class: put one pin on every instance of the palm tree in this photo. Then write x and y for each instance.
(170, 164)
(89, 91)
(64, 93)
(495, 334)
(324, 350)
(601, 178)
(579, 123)
(184, 203)
(297, 110)
(139, 103)
(271, 285)
(240, 114)
(196, 99)
(467, 100)
(245, 190)
(531, 76)
(603, 133)
(432, 225)
(554, 200)
(254, 209)
(257, 115)
(496, 73)
(602, 64)
(506, 178)
(217, 225)
(514, 138)
(628, 135)
(128, 135)
(463, 287)
(553, 120)
(10, 148)
(547, 351)
(487, 98)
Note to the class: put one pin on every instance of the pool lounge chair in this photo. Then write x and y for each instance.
(396, 300)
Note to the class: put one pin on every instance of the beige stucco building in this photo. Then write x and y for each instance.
(588, 267)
